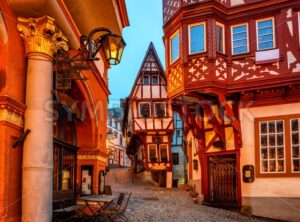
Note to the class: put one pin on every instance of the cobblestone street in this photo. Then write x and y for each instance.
(155, 204)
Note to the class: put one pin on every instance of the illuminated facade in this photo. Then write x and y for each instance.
(233, 76)
(52, 121)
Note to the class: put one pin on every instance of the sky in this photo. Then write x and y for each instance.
(145, 18)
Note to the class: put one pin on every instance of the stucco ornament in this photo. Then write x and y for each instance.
(42, 36)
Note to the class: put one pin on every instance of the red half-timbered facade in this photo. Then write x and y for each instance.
(233, 74)
(149, 115)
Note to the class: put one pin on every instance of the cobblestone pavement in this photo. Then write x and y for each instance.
(154, 204)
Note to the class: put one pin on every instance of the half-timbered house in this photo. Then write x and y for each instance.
(233, 73)
(149, 116)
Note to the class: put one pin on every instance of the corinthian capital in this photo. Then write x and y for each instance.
(41, 36)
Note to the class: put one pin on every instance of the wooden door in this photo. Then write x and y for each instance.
(223, 181)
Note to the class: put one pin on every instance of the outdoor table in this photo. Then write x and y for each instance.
(95, 203)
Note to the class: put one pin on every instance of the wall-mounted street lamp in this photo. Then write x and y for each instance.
(112, 44)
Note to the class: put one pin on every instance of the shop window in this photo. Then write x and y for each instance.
(144, 110)
(64, 150)
(220, 38)
(174, 42)
(265, 34)
(197, 38)
(163, 149)
(295, 145)
(152, 153)
(175, 158)
(240, 40)
(160, 109)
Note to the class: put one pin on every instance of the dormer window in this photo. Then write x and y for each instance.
(265, 34)
(146, 80)
(155, 80)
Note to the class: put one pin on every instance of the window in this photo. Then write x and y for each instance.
(278, 146)
(295, 145)
(175, 47)
(163, 149)
(265, 34)
(197, 38)
(154, 80)
(272, 146)
(160, 109)
(146, 80)
(220, 38)
(144, 110)
(152, 153)
(240, 42)
(299, 25)
(175, 158)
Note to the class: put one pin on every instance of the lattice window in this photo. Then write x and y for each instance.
(295, 145)
(272, 148)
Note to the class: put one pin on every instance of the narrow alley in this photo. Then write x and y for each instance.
(151, 203)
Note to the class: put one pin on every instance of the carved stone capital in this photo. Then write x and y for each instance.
(41, 36)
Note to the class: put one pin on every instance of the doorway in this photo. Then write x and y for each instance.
(87, 180)
(223, 181)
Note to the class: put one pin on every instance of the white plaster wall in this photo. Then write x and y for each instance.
(146, 91)
(265, 187)
(155, 91)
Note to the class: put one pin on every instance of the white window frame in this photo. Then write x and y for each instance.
(276, 159)
(247, 34)
(291, 143)
(140, 103)
(274, 37)
(170, 47)
(155, 108)
(156, 154)
(189, 33)
(223, 36)
(167, 147)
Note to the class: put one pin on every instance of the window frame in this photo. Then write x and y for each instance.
(149, 80)
(247, 34)
(177, 158)
(291, 144)
(298, 14)
(156, 154)
(287, 146)
(273, 33)
(167, 148)
(157, 80)
(155, 114)
(223, 37)
(139, 107)
(170, 47)
(189, 37)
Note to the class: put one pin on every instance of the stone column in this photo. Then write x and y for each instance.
(42, 39)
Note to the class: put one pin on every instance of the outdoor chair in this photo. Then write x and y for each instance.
(117, 210)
